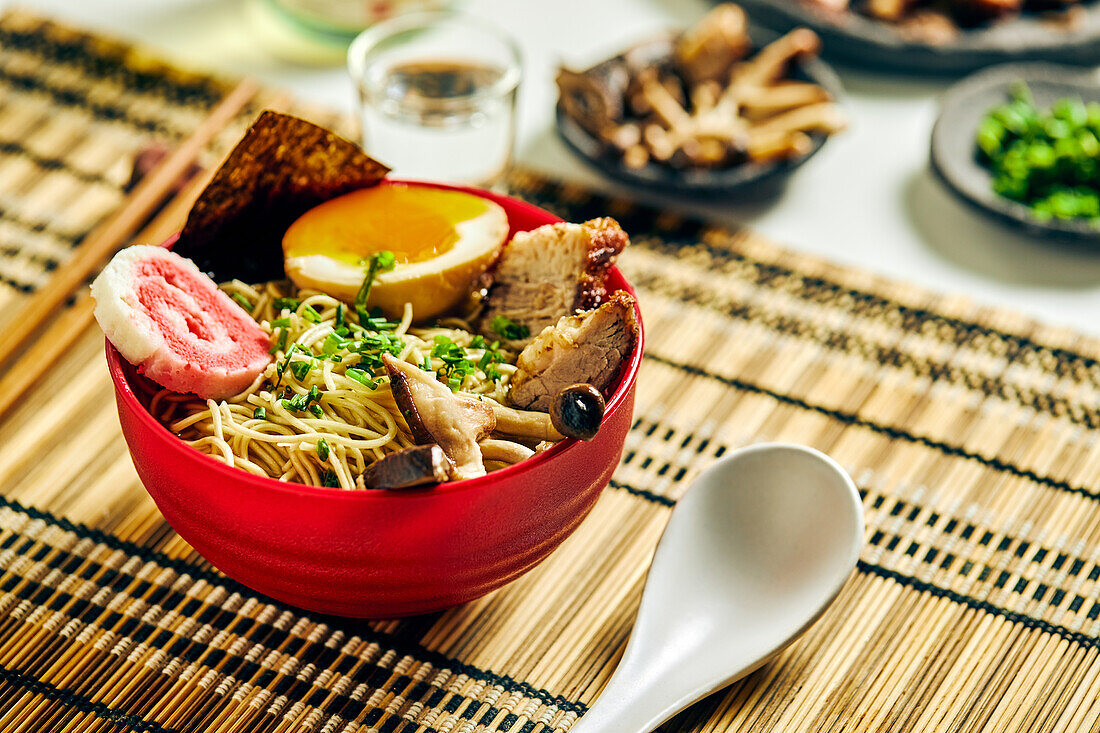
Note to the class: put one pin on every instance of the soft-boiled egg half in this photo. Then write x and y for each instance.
(443, 241)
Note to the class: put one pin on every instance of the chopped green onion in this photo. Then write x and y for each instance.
(310, 314)
(340, 317)
(322, 449)
(316, 410)
(242, 301)
(300, 369)
(378, 262)
(333, 344)
(280, 343)
(427, 365)
(280, 323)
(287, 303)
(362, 377)
(281, 369)
(329, 479)
(509, 329)
(259, 414)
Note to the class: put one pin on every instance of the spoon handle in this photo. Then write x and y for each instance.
(624, 707)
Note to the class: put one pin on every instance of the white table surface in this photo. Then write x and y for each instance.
(867, 198)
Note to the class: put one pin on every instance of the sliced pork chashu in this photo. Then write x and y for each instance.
(550, 272)
(588, 347)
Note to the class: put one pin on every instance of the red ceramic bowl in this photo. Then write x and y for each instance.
(377, 554)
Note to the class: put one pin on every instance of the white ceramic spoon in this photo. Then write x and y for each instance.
(755, 551)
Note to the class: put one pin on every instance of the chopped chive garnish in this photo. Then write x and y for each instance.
(259, 414)
(300, 369)
(288, 303)
(336, 358)
(279, 343)
(316, 410)
(322, 449)
(242, 301)
(333, 344)
(477, 342)
(281, 369)
(340, 317)
(280, 323)
(509, 329)
(491, 372)
(310, 314)
(358, 375)
(329, 479)
(454, 382)
(427, 365)
(378, 262)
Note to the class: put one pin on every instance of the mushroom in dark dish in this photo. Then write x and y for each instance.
(435, 415)
(420, 465)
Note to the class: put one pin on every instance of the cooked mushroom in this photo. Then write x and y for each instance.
(707, 50)
(824, 117)
(767, 66)
(435, 415)
(577, 411)
(526, 424)
(778, 145)
(505, 451)
(759, 102)
(420, 465)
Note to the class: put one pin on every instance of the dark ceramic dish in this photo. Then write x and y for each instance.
(710, 182)
(864, 41)
(954, 151)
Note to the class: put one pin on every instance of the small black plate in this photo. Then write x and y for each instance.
(879, 46)
(710, 182)
(954, 150)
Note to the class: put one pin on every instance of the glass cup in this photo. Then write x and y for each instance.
(437, 96)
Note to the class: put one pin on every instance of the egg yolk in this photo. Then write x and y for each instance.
(416, 223)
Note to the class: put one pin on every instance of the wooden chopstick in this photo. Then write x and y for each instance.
(116, 231)
(62, 333)
(150, 192)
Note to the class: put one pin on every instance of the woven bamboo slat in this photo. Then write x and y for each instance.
(971, 433)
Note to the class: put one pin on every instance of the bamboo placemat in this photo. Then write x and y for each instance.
(970, 431)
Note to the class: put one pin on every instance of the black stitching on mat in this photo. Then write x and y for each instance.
(94, 63)
(74, 98)
(83, 704)
(849, 418)
(890, 356)
(17, 149)
(239, 668)
(398, 644)
(643, 493)
(1076, 637)
(1068, 634)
